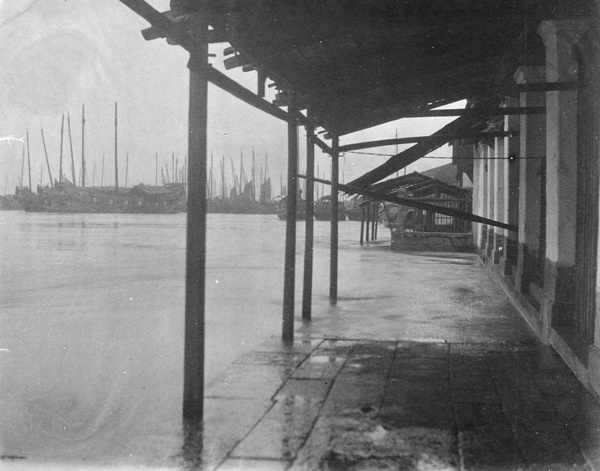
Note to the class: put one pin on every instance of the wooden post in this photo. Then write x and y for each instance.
(290, 230)
(193, 383)
(368, 223)
(309, 233)
(362, 226)
(116, 151)
(333, 257)
(47, 161)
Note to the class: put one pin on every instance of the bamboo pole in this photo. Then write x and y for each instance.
(47, 160)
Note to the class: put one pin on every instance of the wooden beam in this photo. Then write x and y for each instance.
(165, 26)
(418, 204)
(237, 60)
(410, 140)
(231, 86)
(506, 111)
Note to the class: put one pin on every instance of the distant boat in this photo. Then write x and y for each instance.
(300, 209)
(67, 198)
(323, 209)
(353, 208)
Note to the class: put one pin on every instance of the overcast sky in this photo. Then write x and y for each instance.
(57, 55)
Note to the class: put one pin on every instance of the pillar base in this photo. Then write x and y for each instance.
(559, 286)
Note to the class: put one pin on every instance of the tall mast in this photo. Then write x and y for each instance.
(156, 170)
(223, 186)
(126, 169)
(253, 178)
(47, 161)
(29, 160)
(62, 130)
(83, 145)
(94, 174)
(102, 175)
(71, 147)
(235, 180)
(173, 166)
(116, 151)
(22, 167)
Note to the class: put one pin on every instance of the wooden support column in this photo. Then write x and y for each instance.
(309, 232)
(362, 226)
(290, 229)
(333, 268)
(193, 394)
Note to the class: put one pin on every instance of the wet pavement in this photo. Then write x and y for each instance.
(365, 396)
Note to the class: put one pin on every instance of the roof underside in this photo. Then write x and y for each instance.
(358, 64)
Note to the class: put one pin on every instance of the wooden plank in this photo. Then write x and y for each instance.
(232, 62)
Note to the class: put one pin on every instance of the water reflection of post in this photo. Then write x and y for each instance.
(335, 176)
(290, 228)
(193, 382)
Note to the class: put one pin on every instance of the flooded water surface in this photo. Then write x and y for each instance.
(91, 319)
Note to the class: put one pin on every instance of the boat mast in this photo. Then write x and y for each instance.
(60, 167)
(223, 186)
(126, 169)
(156, 170)
(82, 145)
(22, 167)
(47, 161)
(71, 147)
(116, 150)
(94, 174)
(102, 174)
(29, 160)
(253, 178)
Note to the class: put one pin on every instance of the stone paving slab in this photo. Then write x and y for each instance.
(363, 405)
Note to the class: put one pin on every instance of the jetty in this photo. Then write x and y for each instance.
(364, 394)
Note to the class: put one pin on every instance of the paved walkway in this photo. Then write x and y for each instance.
(495, 400)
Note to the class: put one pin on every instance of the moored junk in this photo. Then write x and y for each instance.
(323, 209)
(67, 198)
